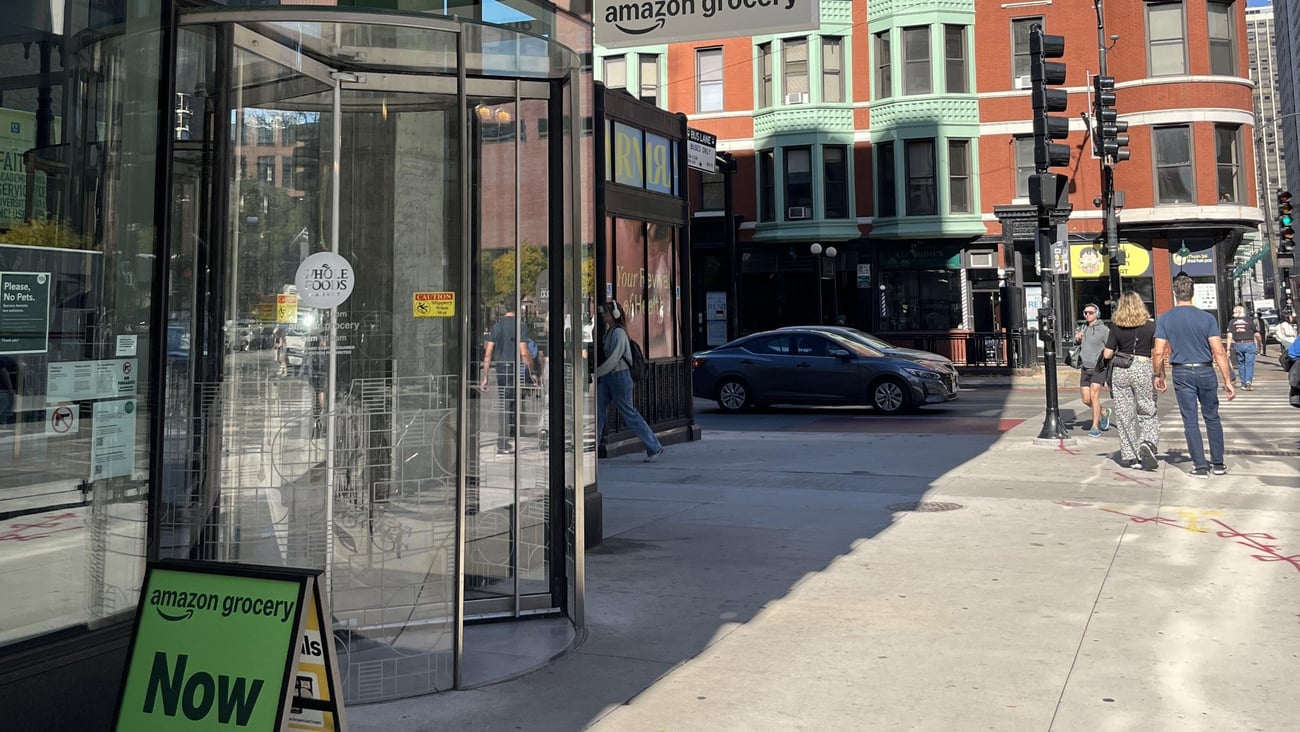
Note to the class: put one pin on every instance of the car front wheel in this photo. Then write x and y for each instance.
(889, 396)
(733, 395)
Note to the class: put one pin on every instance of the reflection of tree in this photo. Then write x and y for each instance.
(501, 289)
(272, 228)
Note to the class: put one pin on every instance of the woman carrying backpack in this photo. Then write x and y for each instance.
(614, 382)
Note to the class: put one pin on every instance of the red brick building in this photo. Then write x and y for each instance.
(900, 135)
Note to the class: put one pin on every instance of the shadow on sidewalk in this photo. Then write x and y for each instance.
(705, 540)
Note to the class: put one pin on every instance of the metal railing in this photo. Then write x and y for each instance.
(974, 349)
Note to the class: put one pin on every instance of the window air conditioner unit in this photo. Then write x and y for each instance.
(798, 212)
(1024, 82)
(796, 98)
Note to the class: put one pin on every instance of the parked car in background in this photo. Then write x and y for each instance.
(814, 366)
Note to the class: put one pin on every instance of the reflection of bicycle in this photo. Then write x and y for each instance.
(387, 534)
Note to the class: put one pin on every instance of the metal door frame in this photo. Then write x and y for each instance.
(244, 37)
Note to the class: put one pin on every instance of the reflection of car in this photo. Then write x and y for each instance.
(814, 366)
(240, 335)
(295, 346)
(1269, 319)
(178, 340)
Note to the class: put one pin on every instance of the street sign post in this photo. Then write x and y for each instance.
(701, 150)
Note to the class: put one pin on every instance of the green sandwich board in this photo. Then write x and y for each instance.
(217, 646)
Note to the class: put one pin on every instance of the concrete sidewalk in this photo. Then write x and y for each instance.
(782, 580)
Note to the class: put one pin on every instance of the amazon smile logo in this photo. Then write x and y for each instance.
(174, 618)
(640, 18)
(177, 605)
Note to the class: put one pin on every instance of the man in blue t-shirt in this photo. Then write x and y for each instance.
(1187, 339)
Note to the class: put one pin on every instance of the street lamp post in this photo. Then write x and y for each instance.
(818, 272)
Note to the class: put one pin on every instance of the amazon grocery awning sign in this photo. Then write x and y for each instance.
(626, 23)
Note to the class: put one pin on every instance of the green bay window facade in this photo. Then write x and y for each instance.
(924, 121)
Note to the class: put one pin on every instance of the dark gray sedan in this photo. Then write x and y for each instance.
(807, 366)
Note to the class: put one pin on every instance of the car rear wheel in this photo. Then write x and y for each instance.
(733, 395)
(889, 396)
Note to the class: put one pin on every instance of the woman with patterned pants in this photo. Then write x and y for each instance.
(1133, 390)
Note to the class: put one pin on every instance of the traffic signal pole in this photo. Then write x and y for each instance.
(1050, 193)
(1110, 143)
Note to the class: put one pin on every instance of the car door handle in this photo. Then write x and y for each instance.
(746, 361)
(804, 365)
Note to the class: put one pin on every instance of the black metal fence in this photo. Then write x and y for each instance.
(993, 350)
(663, 396)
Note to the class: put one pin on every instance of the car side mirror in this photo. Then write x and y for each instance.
(841, 354)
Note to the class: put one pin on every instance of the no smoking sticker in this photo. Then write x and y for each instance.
(61, 420)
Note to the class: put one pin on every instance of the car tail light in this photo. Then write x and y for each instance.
(696, 363)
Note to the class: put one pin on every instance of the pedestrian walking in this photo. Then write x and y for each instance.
(1132, 386)
(506, 348)
(1091, 337)
(1189, 345)
(1245, 346)
(614, 382)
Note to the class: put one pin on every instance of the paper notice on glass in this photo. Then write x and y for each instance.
(112, 446)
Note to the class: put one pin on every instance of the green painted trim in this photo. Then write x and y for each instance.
(823, 231)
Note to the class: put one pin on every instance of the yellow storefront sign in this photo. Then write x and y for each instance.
(1087, 261)
(286, 308)
(433, 305)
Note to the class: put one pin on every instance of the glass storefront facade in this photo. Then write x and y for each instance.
(181, 385)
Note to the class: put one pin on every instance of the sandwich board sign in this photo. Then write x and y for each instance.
(224, 646)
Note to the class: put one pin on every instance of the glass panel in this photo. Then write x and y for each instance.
(616, 72)
(78, 252)
(765, 75)
(916, 60)
(1225, 139)
(629, 277)
(922, 300)
(798, 177)
(959, 176)
(954, 43)
(766, 185)
(660, 280)
(920, 178)
(708, 77)
(835, 181)
(884, 64)
(1174, 183)
(832, 68)
(1024, 152)
(886, 178)
(649, 79)
(795, 63)
(1165, 38)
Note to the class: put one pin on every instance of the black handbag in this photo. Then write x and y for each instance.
(1121, 360)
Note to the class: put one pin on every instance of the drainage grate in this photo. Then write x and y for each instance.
(924, 506)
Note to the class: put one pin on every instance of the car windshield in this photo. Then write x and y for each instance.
(853, 345)
(875, 341)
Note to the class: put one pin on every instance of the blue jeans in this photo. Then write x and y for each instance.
(1193, 386)
(616, 387)
(1245, 361)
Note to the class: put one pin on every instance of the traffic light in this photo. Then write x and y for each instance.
(1047, 188)
(1285, 232)
(1110, 140)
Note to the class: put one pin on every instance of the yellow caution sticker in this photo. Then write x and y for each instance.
(433, 305)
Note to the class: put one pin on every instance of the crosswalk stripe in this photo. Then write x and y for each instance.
(1262, 419)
